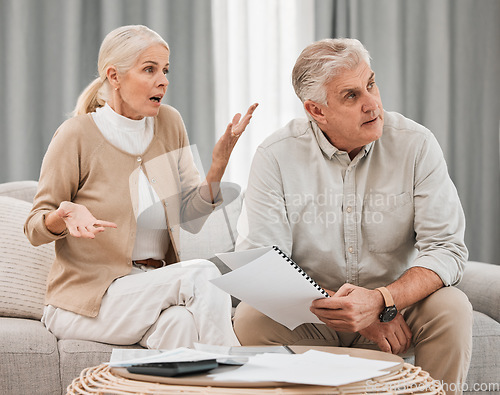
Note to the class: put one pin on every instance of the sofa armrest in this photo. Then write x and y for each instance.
(481, 284)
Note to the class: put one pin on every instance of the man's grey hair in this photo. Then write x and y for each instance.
(321, 61)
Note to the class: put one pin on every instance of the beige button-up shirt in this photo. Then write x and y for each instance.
(363, 221)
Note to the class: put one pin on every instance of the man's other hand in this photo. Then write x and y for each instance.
(393, 337)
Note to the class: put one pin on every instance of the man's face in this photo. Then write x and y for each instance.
(353, 116)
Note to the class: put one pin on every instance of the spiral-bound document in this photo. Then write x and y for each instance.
(267, 279)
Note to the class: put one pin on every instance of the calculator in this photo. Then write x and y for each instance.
(171, 369)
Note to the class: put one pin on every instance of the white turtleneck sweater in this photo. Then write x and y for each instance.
(134, 137)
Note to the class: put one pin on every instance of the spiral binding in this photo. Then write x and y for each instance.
(301, 271)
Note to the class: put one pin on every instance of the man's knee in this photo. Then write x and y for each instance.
(453, 303)
(448, 309)
(254, 328)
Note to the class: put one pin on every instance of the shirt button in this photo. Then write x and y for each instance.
(348, 209)
(139, 159)
(153, 180)
(351, 250)
(166, 204)
(171, 229)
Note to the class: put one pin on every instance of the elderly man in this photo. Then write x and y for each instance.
(361, 199)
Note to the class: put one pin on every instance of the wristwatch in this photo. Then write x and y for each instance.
(390, 311)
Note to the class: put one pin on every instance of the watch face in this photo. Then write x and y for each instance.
(388, 314)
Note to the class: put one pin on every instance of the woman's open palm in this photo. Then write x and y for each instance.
(80, 222)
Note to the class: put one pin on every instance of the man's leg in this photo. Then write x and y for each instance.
(441, 325)
(442, 335)
(254, 328)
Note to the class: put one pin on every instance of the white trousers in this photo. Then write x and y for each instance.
(165, 308)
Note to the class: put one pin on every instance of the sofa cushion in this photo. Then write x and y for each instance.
(76, 355)
(29, 358)
(23, 268)
(480, 284)
(485, 365)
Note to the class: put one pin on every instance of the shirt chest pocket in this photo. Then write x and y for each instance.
(387, 222)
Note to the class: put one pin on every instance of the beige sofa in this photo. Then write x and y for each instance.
(33, 361)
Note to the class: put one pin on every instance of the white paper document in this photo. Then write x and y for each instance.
(129, 357)
(272, 283)
(313, 367)
(239, 355)
(123, 357)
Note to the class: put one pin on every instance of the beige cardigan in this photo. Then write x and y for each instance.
(83, 167)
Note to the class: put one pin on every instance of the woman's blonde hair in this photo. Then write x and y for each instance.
(120, 48)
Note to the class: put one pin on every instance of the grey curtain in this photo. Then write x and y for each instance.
(438, 62)
(48, 54)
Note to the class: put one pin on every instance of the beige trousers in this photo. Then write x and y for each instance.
(165, 308)
(441, 325)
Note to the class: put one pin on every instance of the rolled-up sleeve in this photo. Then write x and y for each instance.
(439, 217)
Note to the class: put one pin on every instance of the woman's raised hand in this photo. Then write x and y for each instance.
(80, 222)
(224, 147)
(222, 152)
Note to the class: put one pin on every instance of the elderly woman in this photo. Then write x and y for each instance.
(117, 182)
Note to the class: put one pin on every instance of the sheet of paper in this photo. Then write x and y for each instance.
(239, 355)
(123, 354)
(274, 287)
(128, 357)
(312, 367)
(122, 357)
(242, 350)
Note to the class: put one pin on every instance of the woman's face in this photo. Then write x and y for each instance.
(139, 91)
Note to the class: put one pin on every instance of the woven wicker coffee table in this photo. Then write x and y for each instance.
(403, 379)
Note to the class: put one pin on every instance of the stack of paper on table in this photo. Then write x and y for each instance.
(312, 367)
(124, 357)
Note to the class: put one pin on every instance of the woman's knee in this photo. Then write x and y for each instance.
(177, 316)
(175, 327)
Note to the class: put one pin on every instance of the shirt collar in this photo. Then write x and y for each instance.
(328, 148)
(119, 121)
